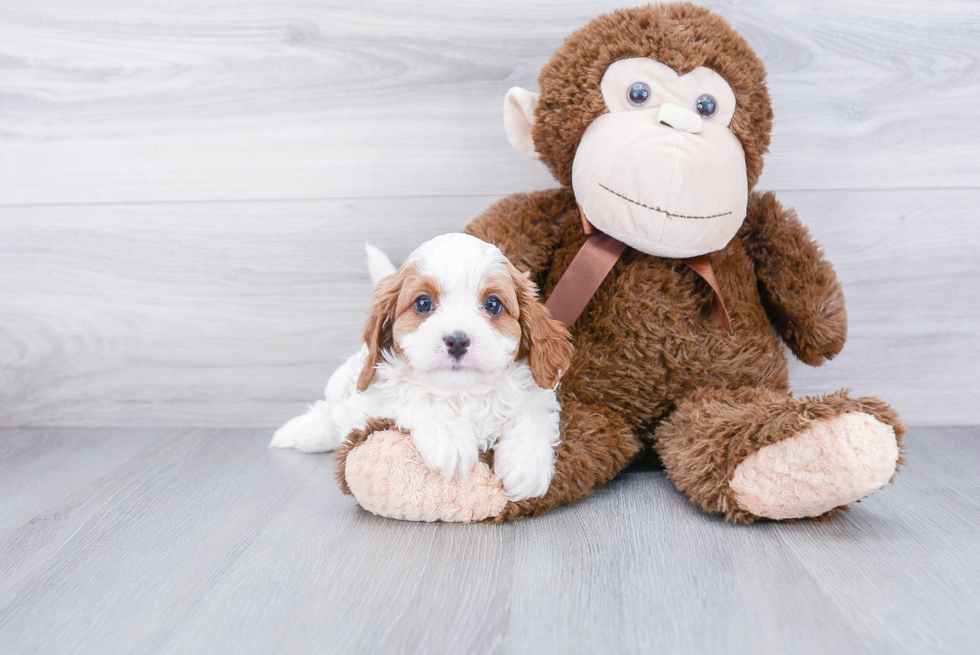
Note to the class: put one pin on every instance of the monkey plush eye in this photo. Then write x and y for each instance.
(492, 305)
(706, 106)
(423, 304)
(638, 94)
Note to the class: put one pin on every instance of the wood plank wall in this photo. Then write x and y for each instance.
(185, 187)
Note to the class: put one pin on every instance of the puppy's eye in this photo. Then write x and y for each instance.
(423, 304)
(706, 106)
(638, 94)
(492, 305)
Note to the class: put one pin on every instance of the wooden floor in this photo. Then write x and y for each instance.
(202, 540)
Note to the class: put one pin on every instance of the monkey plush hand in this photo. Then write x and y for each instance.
(678, 279)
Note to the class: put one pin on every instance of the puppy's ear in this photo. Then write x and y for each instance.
(378, 328)
(544, 341)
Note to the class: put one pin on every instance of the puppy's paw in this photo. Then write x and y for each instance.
(443, 450)
(312, 432)
(526, 480)
(525, 471)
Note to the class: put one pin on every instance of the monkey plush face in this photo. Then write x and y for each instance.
(661, 171)
(658, 118)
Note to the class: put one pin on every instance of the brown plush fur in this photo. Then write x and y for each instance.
(805, 304)
(603, 445)
(646, 355)
(649, 368)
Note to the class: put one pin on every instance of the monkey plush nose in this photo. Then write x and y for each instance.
(679, 118)
(457, 343)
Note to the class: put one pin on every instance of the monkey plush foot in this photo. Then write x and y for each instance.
(755, 453)
(386, 475)
(832, 462)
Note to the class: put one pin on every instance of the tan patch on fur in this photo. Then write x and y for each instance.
(392, 314)
(544, 341)
(508, 321)
(378, 327)
(407, 320)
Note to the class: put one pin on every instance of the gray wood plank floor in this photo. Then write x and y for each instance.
(171, 540)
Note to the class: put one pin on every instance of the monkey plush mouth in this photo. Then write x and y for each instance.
(657, 209)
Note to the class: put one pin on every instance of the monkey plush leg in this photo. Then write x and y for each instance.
(758, 453)
(383, 470)
(596, 444)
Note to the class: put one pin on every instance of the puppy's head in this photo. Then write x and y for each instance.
(457, 311)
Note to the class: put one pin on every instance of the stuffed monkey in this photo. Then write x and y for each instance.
(678, 279)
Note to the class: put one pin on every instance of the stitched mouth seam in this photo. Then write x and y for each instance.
(657, 209)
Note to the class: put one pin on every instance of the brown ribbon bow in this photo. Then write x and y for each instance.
(592, 264)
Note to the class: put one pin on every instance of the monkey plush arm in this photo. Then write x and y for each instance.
(526, 227)
(799, 288)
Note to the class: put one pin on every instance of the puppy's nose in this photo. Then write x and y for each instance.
(457, 343)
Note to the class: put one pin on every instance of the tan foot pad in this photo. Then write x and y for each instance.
(831, 463)
(388, 478)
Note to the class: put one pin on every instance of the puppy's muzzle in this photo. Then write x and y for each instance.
(457, 343)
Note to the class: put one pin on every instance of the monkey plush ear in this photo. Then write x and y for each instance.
(519, 106)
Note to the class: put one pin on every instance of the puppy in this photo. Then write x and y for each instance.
(459, 353)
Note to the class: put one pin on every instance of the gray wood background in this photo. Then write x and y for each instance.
(185, 187)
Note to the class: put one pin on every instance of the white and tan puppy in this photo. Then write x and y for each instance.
(458, 352)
